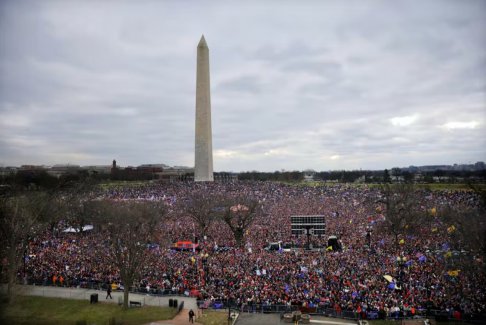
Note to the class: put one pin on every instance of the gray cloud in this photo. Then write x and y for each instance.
(313, 84)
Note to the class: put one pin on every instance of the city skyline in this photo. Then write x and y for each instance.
(295, 86)
(478, 166)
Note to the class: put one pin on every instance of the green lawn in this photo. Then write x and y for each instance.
(214, 318)
(114, 184)
(432, 186)
(450, 187)
(44, 311)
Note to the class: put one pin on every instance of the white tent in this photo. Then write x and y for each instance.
(85, 228)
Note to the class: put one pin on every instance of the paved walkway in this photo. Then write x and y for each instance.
(274, 319)
(84, 294)
(181, 319)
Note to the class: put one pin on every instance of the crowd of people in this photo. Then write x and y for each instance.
(371, 273)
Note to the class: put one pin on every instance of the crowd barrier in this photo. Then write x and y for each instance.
(264, 308)
(98, 285)
(346, 314)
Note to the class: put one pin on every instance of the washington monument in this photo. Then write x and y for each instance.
(203, 170)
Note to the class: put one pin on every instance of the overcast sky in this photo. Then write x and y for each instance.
(294, 84)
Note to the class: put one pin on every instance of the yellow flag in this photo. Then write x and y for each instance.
(453, 272)
(402, 241)
(329, 248)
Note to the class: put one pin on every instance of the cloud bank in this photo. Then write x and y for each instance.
(295, 85)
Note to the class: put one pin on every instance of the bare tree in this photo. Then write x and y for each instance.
(201, 208)
(77, 205)
(466, 224)
(239, 213)
(21, 218)
(396, 172)
(466, 228)
(129, 227)
(402, 210)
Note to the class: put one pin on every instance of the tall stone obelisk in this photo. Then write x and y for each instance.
(203, 171)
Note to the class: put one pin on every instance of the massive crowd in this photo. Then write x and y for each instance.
(426, 270)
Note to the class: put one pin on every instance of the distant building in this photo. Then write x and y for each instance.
(309, 175)
(98, 169)
(480, 165)
(152, 168)
(176, 173)
(32, 167)
(225, 177)
(6, 171)
(59, 170)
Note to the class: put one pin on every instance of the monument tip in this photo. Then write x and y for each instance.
(202, 42)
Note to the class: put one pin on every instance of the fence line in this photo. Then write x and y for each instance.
(346, 314)
(263, 308)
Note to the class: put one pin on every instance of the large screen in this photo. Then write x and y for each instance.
(314, 225)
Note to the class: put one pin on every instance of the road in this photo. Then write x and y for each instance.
(274, 319)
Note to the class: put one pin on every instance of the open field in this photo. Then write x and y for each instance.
(46, 311)
(115, 184)
(214, 318)
(431, 186)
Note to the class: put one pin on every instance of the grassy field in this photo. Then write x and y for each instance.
(116, 184)
(214, 318)
(432, 186)
(46, 311)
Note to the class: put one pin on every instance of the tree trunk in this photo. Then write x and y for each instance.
(239, 234)
(125, 296)
(11, 271)
(11, 283)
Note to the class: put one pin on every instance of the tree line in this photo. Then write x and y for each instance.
(394, 175)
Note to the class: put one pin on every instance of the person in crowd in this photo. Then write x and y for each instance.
(108, 292)
(191, 316)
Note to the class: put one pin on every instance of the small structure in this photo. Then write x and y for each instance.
(309, 175)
